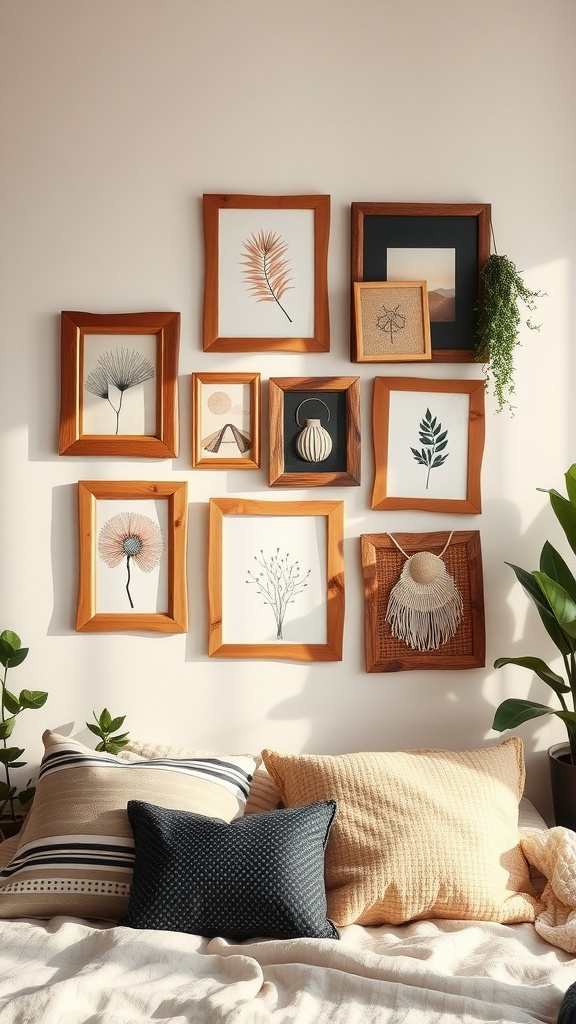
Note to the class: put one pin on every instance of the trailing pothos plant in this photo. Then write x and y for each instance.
(12, 654)
(498, 326)
(552, 588)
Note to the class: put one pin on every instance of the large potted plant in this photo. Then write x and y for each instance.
(552, 588)
(13, 801)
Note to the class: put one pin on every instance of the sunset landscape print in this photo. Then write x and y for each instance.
(436, 266)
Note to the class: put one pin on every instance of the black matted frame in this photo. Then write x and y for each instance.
(462, 226)
(293, 398)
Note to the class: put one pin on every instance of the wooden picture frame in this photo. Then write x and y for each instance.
(446, 244)
(108, 538)
(382, 564)
(392, 321)
(138, 383)
(226, 420)
(293, 548)
(333, 399)
(266, 273)
(421, 427)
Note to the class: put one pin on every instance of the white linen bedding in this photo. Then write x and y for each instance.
(66, 971)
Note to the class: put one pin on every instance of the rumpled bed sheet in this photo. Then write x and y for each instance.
(66, 971)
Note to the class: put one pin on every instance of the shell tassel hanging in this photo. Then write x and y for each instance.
(425, 606)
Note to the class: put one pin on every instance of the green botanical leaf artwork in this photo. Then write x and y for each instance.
(433, 440)
(266, 268)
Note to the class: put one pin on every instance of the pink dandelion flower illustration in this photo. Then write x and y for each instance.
(130, 535)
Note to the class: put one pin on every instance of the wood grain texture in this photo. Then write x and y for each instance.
(212, 340)
(359, 210)
(75, 326)
(383, 386)
(333, 511)
(463, 558)
(201, 461)
(278, 477)
(88, 618)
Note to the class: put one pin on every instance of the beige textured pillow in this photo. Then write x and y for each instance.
(263, 795)
(75, 854)
(419, 833)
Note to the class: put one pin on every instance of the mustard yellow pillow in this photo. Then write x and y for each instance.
(419, 833)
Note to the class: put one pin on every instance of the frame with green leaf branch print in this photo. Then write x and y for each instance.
(266, 273)
(132, 556)
(119, 384)
(428, 444)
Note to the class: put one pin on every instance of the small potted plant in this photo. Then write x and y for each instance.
(552, 588)
(13, 802)
(498, 326)
(103, 727)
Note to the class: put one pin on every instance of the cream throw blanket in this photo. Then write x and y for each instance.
(553, 854)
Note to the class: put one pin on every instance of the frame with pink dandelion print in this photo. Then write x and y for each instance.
(132, 564)
(119, 384)
(266, 273)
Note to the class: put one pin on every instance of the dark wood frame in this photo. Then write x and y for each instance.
(88, 618)
(200, 461)
(377, 659)
(479, 211)
(383, 386)
(320, 341)
(72, 439)
(277, 390)
(333, 511)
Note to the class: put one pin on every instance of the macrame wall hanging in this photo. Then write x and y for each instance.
(425, 606)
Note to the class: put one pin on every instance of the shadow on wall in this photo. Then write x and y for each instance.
(444, 708)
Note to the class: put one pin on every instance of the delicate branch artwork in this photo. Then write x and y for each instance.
(266, 268)
(278, 583)
(391, 321)
(122, 369)
(434, 440)
(130, 535)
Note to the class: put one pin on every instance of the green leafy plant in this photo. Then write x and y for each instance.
(552, 588)
(103, 729)
(12, 654)
(499, 319)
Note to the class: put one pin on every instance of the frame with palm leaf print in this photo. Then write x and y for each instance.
(428, 444)
(266, 273)
(119, 384)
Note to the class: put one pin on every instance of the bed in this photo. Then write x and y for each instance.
(178, 886)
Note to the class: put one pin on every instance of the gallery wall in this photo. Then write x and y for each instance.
(116, 117)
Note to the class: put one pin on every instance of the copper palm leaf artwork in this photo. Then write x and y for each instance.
(266, 267)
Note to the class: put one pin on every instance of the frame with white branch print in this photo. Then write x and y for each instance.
(276, 579)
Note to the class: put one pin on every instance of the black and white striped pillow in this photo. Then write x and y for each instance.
(76, 851)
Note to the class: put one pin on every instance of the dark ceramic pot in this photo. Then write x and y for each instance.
(563, 782)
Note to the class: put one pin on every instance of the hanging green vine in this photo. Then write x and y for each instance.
(499, 319)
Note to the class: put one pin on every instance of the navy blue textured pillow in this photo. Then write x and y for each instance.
(262, 875)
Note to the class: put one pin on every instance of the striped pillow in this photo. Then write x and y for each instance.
(76, 850)
(263, 795)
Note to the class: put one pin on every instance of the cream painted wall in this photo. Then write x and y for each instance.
(116, 115)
